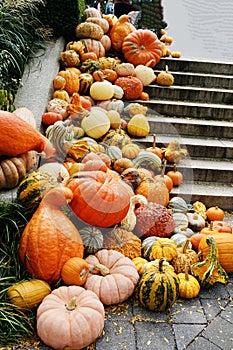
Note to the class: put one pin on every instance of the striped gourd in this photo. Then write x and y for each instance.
(31, 190)
(158, 288)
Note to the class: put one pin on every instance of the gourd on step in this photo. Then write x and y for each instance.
(129, 221)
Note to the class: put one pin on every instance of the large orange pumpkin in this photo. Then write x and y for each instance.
(50, 238)
(70, 318)
(141, 47)
(224, 243)
(99, 199)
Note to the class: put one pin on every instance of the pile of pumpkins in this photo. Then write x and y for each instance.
(104, 227)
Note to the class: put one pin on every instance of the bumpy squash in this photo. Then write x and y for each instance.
(119, 31)
(164, 248)
(89, 30)
(158, 288)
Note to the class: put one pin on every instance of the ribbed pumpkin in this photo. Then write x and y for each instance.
(142, 47)
(99, 199)
(70, 317)
(113, 276)
(154, 220)
(164, 248)
(50, 238)
(158, 288)
(147, 245)
(92, 45)
(75, 271)
(189, 286)
(92, 238)
(28, 294)
(184, 258)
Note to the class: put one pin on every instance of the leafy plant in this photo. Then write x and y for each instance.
(21, 36)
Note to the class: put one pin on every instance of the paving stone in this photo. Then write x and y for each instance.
(184, 334)
(188, 311)
(202, 343)
(117, 336)
(154, 336)
(227, 313)
(217, 291)
(213, 307)
(140, 312)
(121, 311)
(219, 332)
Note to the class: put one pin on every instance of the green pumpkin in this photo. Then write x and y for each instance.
(92, 239)
(147, 247)
(178, 204)
(158, 288)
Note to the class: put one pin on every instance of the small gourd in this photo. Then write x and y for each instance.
(28, 294)
(92, 238)
(75, 271)
(147, 245)
(96, 123)
(209, 271)
(178, 204)
(131, 150)
(164, 248)
(165, 78)
(129, 222)
(139, 263)
(138, 126)
(184, 258)
(189, 287)
(196, 221)
(102, 90)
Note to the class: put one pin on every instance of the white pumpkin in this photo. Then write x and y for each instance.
(102, 90)
(145, 74)
(57, 170)
(118, 92)
(96, 123)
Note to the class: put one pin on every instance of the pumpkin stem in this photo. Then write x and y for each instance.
(72, 304)
(186, 272)
(164, 168)
(174, 168)
(99, 269)
(185, 246)
(161, 261)
(154, 140)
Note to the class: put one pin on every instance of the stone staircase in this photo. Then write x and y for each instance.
(198, 112)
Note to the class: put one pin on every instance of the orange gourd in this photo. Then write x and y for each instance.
(71, 75)
(50, 238)
(18, 137)
(75, 271)
(49, 118)
(176, 176)
(215, 213)
(142, 47)
(119, 31)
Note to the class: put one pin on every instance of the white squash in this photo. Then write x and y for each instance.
(145, 74)
(96, 123)
(101, 90)
(57, 170)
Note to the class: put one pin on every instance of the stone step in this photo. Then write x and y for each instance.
(190, 93)
(198, 148)
(160, 124)
(207, 111)
(211, 194)
(202, 79)
(195, 66)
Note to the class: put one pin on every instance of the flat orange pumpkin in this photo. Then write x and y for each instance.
(99, 199)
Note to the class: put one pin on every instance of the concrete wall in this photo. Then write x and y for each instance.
(201, 29)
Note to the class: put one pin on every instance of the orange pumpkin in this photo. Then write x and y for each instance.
(215, 213)
(99, 199)
(142, 47)
(80, 313)
(176, 176)
(50, 238)
(49, 118)
(75, 271)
